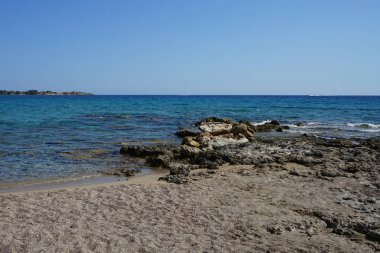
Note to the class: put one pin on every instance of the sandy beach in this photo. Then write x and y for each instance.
(235, 209)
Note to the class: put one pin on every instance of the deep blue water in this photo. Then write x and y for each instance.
(55, 136)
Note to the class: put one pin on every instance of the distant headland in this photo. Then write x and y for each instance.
(47, 93)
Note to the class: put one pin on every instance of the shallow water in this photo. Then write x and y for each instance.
(65, 136)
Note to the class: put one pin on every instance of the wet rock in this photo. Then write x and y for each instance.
(184, 132)
(214, 120)
(130, 172)
(127, 172)
(143, 151)
(159, 161)
(299, 124)
(274, 125)
(279, 129)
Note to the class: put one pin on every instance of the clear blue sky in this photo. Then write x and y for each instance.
(191, 47)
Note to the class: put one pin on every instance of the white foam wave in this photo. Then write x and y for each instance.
(364, 125)
(261, 123)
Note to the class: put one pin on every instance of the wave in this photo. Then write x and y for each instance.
(334, 128)
(260, 123)
(364, 125)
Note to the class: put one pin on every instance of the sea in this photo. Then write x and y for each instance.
(50, 137)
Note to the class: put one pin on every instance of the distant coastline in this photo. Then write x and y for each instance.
(46, 93)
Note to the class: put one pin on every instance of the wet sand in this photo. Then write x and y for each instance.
(84, 182)
(236, 209)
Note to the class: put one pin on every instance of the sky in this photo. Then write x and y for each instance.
(235, 47)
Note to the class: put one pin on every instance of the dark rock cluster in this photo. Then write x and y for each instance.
(223, 141)
(199, 148)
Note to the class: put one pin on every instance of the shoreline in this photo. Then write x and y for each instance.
(83, 182)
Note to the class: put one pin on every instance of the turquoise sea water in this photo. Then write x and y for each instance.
(57, 136)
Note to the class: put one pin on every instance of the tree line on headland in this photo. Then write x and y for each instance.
(36, 92)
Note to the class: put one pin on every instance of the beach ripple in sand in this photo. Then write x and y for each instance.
(254, 211)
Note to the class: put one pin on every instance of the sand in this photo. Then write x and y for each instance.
(258, 210)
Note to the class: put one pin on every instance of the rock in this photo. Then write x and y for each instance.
(280, 129)
(179, 170)
(184, 132)
(190, 142)
(274, 230)
(373, 235)
(128, 172)
(216, 128)
(204, 139)
(329, 173)
(299, 124)
(274, 125)
(290, 228)
(371, 200)
(207, 148)
(159, 161)
(250, 126)
(176, 179)
(187, 151)
(286, 127)
(241, 129)
(143, 151)
(294, 173)
(219, 141)
(214, 120)
(245, 173)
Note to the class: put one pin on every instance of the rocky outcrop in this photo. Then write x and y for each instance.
(214, 133)
(329, 158)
